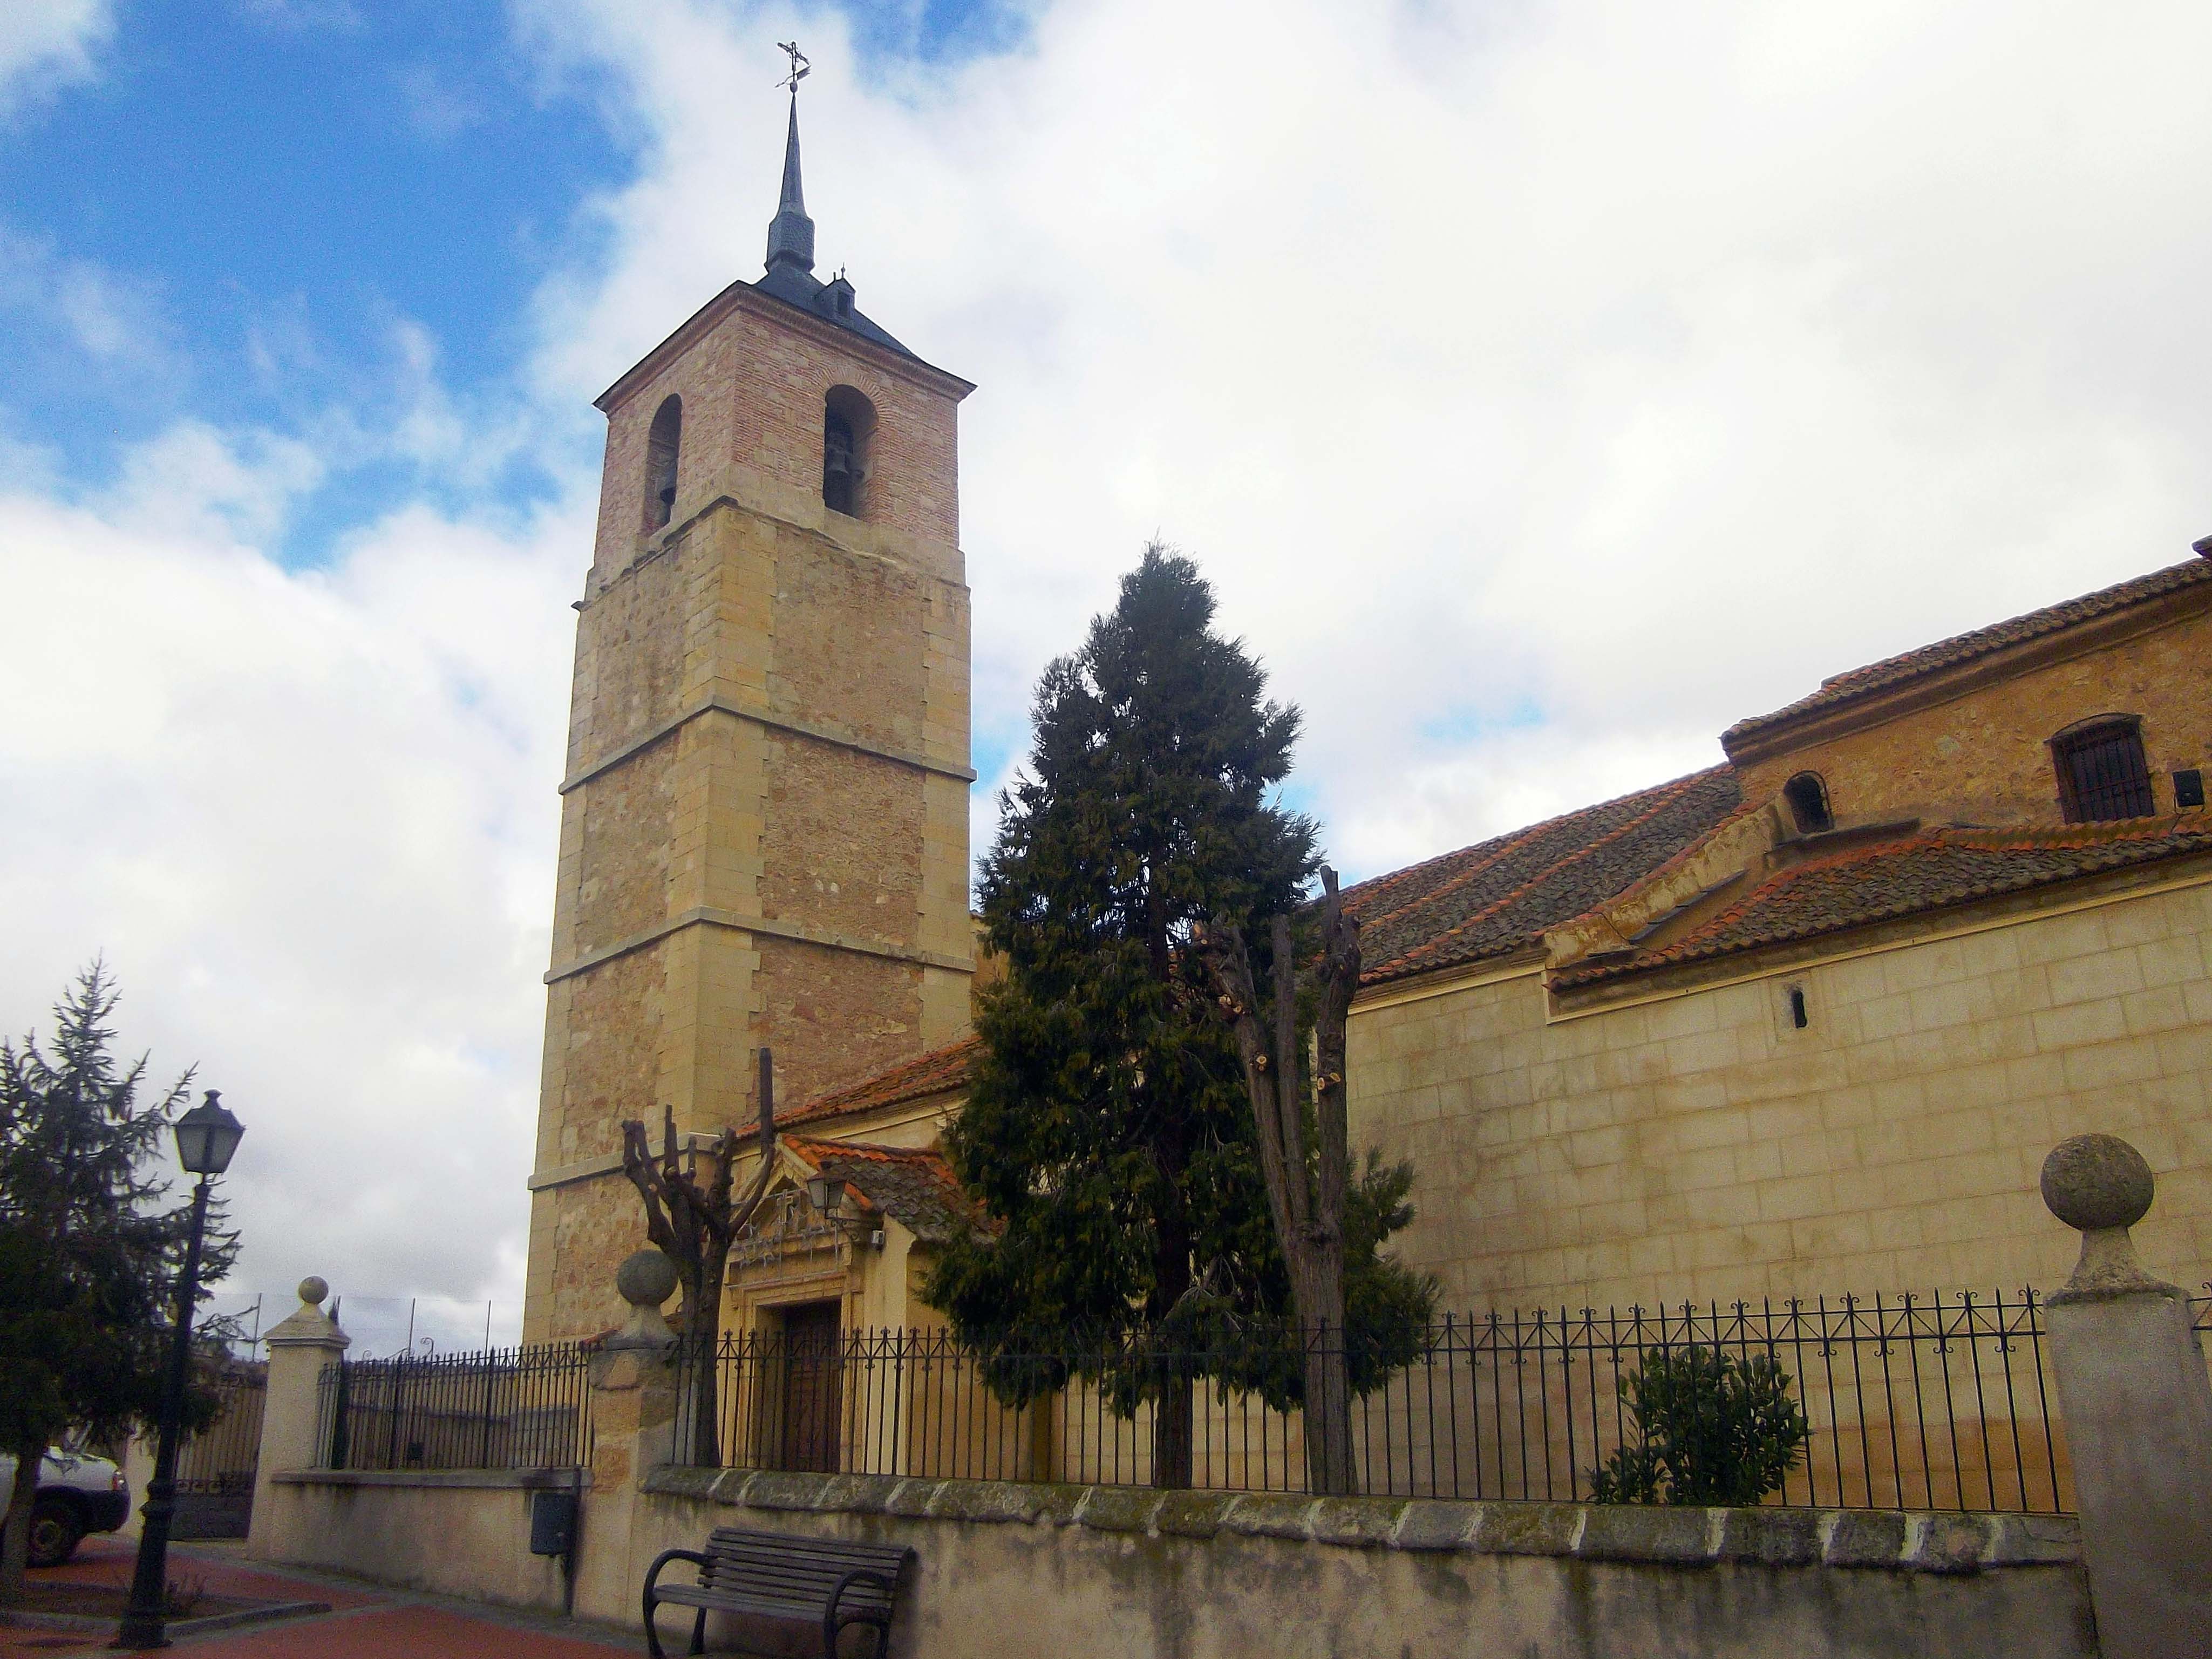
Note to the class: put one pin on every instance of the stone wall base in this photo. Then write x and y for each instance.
(1007, 1570)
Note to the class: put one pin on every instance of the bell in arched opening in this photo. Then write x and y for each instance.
(848, 421)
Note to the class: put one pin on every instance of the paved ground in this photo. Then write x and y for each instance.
(364, 1622)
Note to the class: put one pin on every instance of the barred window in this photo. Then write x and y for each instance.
(2102, 773)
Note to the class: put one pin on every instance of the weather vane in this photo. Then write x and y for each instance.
(799, 65)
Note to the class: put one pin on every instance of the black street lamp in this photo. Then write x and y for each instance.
(207, 1136)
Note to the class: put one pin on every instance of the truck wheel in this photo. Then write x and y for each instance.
(55, 1530)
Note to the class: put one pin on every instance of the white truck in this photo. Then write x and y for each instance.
(77, 1494)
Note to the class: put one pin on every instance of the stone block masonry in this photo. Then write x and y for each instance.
(1981, 751)
(1701, 1144)
(1005, 1570)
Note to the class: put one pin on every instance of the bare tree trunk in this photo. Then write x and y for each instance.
(16, 1540)
(1171, 1283)
(1305, 1197)
(1172, 1440)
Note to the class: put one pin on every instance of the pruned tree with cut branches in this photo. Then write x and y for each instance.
(693, 1215)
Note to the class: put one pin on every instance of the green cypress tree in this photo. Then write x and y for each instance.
(89, 1255)
(1107, 1130)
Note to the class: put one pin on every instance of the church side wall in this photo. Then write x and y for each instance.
(1700, 1146)
(1987, 752)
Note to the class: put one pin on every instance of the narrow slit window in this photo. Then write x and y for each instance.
(1798, 1016)
(662, 444)
(2102, 772)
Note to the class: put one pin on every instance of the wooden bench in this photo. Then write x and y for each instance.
(771, 1575)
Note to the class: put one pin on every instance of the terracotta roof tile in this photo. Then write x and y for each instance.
(913, 1185)
(1500, 896)
(1927, 871)
(933, 1073)
(1965, 647)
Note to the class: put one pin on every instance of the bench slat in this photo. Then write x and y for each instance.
(739, 1540)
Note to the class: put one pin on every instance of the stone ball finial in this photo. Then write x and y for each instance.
(2096, 1182)
(314, 1288)
(646, 1278)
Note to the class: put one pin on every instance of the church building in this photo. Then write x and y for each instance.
(1805, 1022)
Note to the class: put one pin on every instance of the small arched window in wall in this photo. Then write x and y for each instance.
(2102, 773)
(1808, 796)
(661, 446)
(848, 421)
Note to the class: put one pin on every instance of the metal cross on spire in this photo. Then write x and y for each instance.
(799, 65)
(791, 233)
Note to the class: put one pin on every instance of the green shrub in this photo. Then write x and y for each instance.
(1702, 1426)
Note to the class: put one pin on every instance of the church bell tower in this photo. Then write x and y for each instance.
(764, 819)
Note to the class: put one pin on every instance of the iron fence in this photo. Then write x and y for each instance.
(1941, 1401)
(510, 1408)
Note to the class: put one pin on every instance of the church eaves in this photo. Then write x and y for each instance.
(1909, 874)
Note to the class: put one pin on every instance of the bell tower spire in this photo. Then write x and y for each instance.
(791, 233)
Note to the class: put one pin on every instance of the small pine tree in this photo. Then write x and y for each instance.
(1107, 1130)
(89, 1255)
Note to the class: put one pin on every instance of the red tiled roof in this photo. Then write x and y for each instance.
(1926, 871)
(1500, 896)
(933, 1073)
(1965, 647)
(913, 1185)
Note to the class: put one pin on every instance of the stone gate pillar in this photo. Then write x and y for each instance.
(633, 1432)
(2139, 1410)
(291, 1414)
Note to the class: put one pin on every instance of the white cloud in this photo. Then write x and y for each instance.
(48, 43)
(436, 109)
(1634, 367)
(114, 321)
(1543, 387)
(308, 817)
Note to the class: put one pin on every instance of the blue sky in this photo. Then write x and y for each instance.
(267, 189)
(268, 195)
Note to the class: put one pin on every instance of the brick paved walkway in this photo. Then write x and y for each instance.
(364, 1623)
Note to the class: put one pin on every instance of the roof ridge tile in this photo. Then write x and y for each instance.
(1553, 868)
(1982, 641)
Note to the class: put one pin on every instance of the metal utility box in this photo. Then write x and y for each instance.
(552, 1523)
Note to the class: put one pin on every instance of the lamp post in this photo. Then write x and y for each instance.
(207, 1136)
